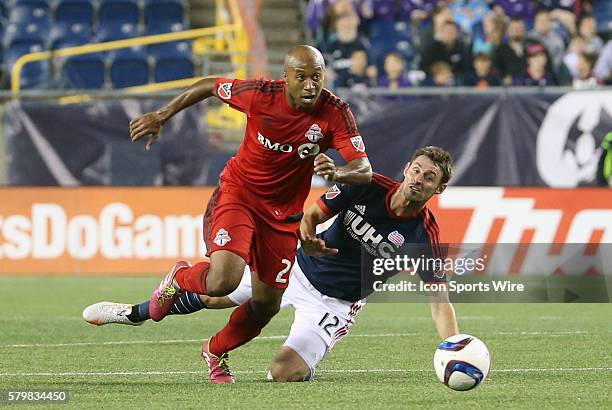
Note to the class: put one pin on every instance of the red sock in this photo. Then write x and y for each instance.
(193, 279)
(242, 327)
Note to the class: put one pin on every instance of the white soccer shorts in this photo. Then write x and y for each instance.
(320, 321)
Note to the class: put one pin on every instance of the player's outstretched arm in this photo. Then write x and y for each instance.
(151, 122)
(357, 171)
(443, 313)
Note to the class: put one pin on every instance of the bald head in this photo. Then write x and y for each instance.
(303, 55)
(305, 76)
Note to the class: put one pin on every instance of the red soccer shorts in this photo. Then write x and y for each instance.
(267, 247)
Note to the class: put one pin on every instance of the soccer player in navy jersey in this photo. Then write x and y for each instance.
(254, 215)
(325, 288)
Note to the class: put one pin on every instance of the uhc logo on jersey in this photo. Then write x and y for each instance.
(358, 143)
(370, 239)
(332, 193)
(225, 91)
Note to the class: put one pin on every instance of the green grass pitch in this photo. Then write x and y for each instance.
(544, 356)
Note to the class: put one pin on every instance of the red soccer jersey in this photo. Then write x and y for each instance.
(275, 160)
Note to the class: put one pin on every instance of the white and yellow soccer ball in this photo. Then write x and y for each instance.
(462, 362)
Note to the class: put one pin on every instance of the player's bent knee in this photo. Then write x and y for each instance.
(226, 270)
(288, 366)
(281, 372)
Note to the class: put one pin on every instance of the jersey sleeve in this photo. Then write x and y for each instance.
(238, 94)
(346, 138)
(338, 198)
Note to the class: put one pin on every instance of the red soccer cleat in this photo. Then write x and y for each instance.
(218, 366)
(166, 294)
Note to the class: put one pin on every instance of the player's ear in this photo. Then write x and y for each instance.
(406, 168)
(440, 189)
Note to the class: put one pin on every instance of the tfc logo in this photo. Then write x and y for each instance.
(314, 134)
(222, 237)
(225, 91)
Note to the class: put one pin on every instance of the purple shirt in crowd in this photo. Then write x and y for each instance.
(400, 9)
(517, 8)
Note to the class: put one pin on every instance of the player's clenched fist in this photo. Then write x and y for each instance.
(147, 124)
(325, 166)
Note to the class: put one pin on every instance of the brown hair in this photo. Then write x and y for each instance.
(440, 157)
(440, 67)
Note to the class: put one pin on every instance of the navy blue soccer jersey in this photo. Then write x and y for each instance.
(364, 221)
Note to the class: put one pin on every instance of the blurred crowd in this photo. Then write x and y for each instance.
(479, 43)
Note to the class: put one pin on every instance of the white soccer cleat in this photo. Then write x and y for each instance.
(103, 313)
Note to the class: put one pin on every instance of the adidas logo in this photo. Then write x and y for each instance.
(361, 209)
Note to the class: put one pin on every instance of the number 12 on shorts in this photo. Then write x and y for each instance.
(329, 322)
(279, 275)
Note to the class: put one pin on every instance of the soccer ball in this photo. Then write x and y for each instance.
(462, 362)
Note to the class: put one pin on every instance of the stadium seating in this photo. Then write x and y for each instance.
(26, 12)
(83, 72)
(116, 13)
(387, 36)
(128, 68)
(171, 47)
(74, 11)
(63, 36)
(164, 28)
(25, 39)
(116, 32)
(3, 10)
(173, 66)
(163, 12)
(603, 13)
(34, 25)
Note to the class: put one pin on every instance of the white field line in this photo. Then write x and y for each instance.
(203, 372)
(279, 337)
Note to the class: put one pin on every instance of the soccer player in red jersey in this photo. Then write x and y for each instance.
(253, 217)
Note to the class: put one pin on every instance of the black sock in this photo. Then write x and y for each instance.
(188, 302)
(140, 312)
